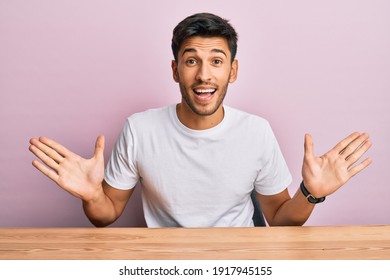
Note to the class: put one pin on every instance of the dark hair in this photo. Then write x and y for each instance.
(204, 25)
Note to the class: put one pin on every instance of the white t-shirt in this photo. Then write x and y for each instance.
(197, 178)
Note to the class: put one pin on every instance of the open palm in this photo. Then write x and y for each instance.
(326, 174)
(78, 176)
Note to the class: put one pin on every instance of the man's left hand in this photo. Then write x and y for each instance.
(324, 175)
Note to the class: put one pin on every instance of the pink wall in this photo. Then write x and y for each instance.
(71, 70)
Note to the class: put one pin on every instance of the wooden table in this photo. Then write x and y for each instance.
(271, 243)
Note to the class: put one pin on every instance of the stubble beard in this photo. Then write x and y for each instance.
(185, 96)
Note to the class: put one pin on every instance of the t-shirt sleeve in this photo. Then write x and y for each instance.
(274, 175)
(121, 171)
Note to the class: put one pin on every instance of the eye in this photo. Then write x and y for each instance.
(191, 61)
(217, 61)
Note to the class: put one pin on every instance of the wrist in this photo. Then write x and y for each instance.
(310, 198)
(94, 197)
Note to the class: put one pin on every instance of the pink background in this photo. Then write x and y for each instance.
(71, 70)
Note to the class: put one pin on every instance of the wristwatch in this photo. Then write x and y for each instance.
(309, 196)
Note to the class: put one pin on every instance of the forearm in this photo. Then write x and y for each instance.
(100, 211)
(293, 212)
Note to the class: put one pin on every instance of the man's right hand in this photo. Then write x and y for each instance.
(80, 177)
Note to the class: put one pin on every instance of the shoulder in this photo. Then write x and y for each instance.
(151, 121)
(246, 120)
(150, 118)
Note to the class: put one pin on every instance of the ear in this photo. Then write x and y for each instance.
(233, 71)
(174, 71)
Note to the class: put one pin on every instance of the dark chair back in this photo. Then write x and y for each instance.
(258, 218)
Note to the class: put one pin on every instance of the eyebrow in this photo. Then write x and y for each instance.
(213, 50)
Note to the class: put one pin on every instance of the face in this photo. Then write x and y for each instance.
(203, 71)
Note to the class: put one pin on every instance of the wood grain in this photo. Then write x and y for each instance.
(271, 243)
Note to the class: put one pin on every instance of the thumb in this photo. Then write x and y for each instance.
(309, 146)
(99, 146)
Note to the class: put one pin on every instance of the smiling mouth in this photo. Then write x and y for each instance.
(204, 94)
(205, 91)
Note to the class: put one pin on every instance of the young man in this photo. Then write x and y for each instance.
(198, 161)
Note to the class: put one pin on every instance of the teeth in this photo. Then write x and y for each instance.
(205, 91)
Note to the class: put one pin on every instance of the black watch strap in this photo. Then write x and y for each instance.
(309, 196)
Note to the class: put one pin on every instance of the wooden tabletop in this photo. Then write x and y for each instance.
(271, 243)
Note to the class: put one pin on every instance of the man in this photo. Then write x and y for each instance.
(198, 161)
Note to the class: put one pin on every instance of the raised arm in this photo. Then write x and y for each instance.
(322, 176)
(83, 178)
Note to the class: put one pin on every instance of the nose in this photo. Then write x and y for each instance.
(204, 72)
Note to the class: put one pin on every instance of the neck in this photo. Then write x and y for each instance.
(198, 122)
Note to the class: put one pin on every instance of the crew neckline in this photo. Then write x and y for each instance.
(197, 132)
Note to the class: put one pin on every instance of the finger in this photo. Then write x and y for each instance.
(354, 145)
(358, 153)
(47, 150)
(340, 147)
(309, 146)
(359, 167)
(44, 157)
(55, 146)
(99, 146)
(46, 171)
